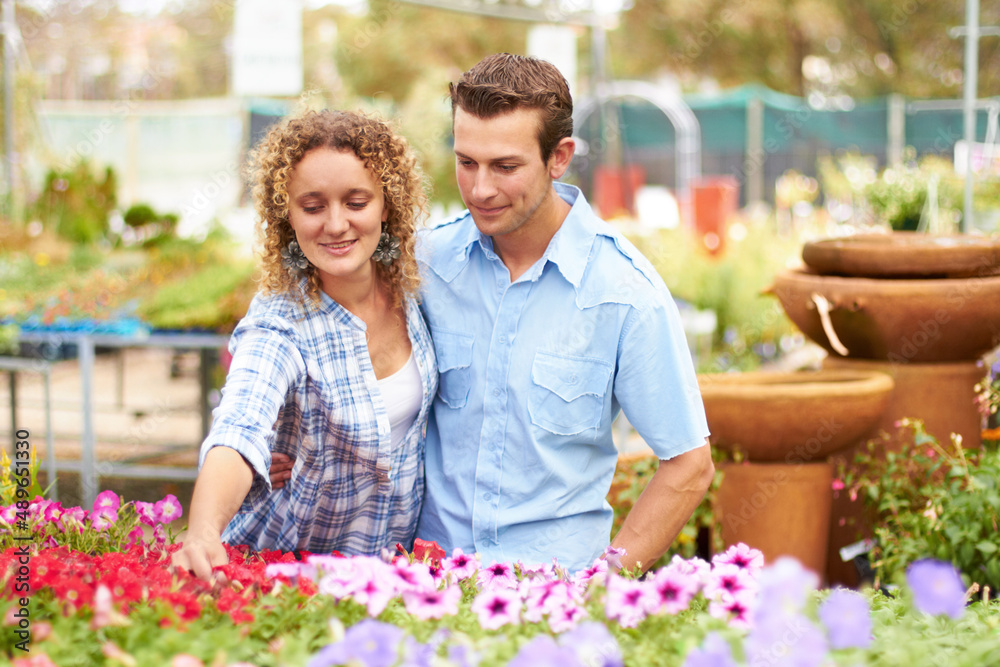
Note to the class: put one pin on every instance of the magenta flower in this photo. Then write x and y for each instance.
(372, 583)
(461, 565)
(674, 590)
(169, 509)
(134, 537)
(101, 520)
(594, 572)
(614, 557)
(428, 604)
(72, 516)
(146, 512)
(743, 557)
(53, 512)
(8, 515)
(695, 568)
(628, 601)
(544, 598)
(937, 588)
(497, 607)
(107, 500)
(566, 617)
(736, 609)
(728, 580)
(415, 576)
(846, 615)
(497, 575)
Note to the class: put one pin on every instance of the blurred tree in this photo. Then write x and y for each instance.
(857, 48)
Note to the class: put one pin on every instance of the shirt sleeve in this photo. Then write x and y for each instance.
(266, 364)
(656, 384)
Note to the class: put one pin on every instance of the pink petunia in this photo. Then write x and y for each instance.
(461, 565)
(415, 576)
(596, 572)
(543, 598)
(743, 557)
(169, 509)
(614, 556)
(628, 601)
(432, 604)
(102, 607)
(147, 512)
(497, 607)
(101, 520)
(107, 500)
(53, 513)
(497, 575)
(375, 587)
(674, 590)
(694, 567)
(566, 617)
(735, 609)
(8, 515)
(728, 579)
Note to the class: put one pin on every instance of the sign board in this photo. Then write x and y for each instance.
(267, 48)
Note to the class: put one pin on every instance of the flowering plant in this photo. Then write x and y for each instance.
(126, 607)
(926, 499)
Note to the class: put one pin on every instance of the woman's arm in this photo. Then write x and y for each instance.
(222, 484)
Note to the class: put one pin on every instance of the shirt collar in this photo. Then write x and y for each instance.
(569, 248)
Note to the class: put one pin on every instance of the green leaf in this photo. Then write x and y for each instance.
(987, 547)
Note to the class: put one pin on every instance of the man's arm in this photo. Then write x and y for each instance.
(664, 506)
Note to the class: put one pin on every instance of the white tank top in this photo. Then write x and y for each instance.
(402, 392)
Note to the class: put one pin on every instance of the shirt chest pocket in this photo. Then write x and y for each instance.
(454, 358)
(567, 393)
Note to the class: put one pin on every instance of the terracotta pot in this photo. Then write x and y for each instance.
(781, 509)
(905, 255)
(793, 417)
(902, 321)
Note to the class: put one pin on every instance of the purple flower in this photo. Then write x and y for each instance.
(428, 604)
(594, 645)
(497, 607)
(714, 652)
(937, 587)
(847, 618)
(785, 585)
(542, 651)
(370, 642)
(416, 654)
(783, 639)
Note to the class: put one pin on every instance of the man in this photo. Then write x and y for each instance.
(546, 322)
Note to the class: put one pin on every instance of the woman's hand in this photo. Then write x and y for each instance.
(280, 470)
(199, 555)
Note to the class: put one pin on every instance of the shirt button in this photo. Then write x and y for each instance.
(502, 339)
(496, 392)
(573, 378)
(487, 496)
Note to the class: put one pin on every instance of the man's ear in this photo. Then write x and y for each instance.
(560, 158)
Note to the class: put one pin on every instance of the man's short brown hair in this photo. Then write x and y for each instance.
(503, 83)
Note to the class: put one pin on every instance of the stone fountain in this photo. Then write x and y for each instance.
(921, 309)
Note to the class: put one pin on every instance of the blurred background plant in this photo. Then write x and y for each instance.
(77, 202)
(751, 326)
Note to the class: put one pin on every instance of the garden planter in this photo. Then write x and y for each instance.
(792, 417)
(904, 255)
(781, 509)
(897, 320)
(786, 425)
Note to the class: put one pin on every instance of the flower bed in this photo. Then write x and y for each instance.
(90, 588)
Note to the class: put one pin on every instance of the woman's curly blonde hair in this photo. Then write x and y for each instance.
(384, 152)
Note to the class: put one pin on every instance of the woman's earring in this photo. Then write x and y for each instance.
(387, 249)
(293, 259)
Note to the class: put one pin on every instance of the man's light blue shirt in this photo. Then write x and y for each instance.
(519, 445)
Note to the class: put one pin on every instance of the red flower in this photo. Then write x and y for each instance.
(423, 550)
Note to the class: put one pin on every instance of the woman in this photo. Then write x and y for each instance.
(332, 366)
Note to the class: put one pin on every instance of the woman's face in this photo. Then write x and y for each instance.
(336, 209)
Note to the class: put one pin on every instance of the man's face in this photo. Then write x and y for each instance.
(499, 168)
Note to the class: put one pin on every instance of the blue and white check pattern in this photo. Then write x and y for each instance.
(301, 382)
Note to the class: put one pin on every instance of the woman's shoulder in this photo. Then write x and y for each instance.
(278, 310)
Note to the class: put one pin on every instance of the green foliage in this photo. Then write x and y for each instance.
(77, 203)
(199, 300)
(733, 284)
(925, 499)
